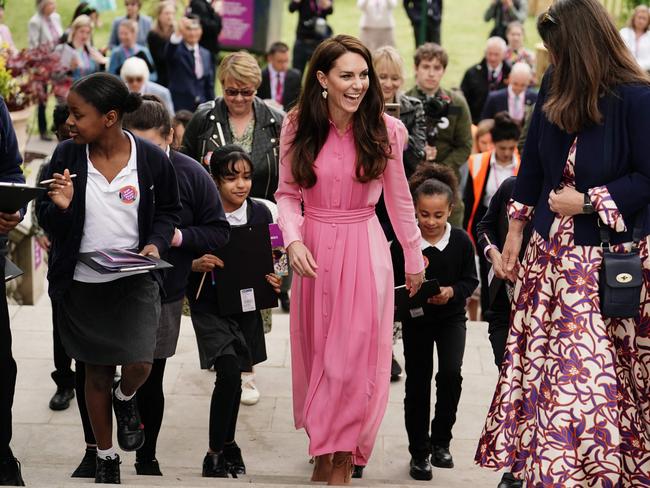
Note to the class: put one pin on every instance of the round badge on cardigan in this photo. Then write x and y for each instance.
(128, 194)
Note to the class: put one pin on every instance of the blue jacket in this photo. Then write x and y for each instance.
(497, 101)
(157, 212)
(188, 91)
(625, 170)
(10, 158)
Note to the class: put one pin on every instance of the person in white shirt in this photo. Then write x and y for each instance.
(636, 36)
(377, 23)
(135, 73)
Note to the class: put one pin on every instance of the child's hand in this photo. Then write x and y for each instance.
(150, 250)
(275, 281)
(206, 263)
(61, 190)
(446, 294)
(497, 263)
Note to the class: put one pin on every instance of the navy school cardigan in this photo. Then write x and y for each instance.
(157, 211)
(625, 171)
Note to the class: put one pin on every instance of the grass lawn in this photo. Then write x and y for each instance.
(463, 29)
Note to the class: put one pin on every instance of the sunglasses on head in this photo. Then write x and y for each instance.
(548, 17)
(233, 92)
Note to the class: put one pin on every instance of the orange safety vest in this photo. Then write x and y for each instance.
(478, 166)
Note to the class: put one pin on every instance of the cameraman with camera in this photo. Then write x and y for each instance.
(312, 28)
(449, 135)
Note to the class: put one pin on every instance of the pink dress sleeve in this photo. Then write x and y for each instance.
(607, 210)
(289, 194)
(399, 202)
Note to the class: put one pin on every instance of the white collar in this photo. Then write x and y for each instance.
(441, 244)
(239, 216)
(190, 46)
(131, 165)
(496, 70)
(494, 164)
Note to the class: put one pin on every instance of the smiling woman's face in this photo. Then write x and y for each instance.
(346, 83)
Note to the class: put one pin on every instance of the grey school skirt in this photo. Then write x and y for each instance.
(168, 329)
(111, 323)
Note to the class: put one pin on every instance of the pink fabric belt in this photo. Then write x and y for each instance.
(338, 216)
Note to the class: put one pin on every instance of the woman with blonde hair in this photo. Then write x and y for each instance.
(636, 36)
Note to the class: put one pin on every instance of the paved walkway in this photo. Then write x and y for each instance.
(50, 444)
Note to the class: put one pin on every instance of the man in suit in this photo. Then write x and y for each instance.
(432, 19)
(135, 74)
(10, 171)
(489, 75)
(516, 99)
(279, 82)
(191, 80)
(209, 13)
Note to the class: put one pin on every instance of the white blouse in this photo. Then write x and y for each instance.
(377, 14)
(640, 48)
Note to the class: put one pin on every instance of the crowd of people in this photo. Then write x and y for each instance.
(510, 191)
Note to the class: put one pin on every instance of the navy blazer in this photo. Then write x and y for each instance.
(188, 91)
(497, 101)
(158, 209)
(625, 170)
(290, 90)
(10, 158)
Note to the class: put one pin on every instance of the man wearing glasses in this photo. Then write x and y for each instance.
(191, 73)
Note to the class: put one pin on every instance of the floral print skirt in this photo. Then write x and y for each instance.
(572, 404)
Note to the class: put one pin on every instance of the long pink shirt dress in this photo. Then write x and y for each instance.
(342, 320)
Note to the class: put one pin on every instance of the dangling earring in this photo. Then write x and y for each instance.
(324, 93)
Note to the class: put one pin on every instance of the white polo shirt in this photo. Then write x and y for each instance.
(111, 219)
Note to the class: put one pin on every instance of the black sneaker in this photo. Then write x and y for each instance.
(10, 472)
(214, 466)
(395, 370)
(441, 457)
(147, 467)
(88, 466)
(108, 471)
(61, 399)
(130, 431)
(234, 461)
(357, 471)
(420, 469)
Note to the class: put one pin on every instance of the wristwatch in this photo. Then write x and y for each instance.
(587, 207)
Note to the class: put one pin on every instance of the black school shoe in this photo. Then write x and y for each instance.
(395, 370)
(357, 471)
(214, 466)
(108, 471)
(147, 467)
(61, 399)
(234, 461)
(88, 466)
(285, 302)
(509, 481)
(10, 472)
(441, 457)
(420, 469)
(130, 431)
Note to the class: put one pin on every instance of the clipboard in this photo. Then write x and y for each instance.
(12, 271)
(95, 259)
(14, 196)
(241, 284)
(411, 308)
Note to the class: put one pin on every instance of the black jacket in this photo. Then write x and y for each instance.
(157, 212)
(414, 10)
(202, 223)
(202, 137)
(291, 91)
(210, 23)
(411, 114)
(493, 227)
(308, 12)
(10, 158)
(476, 86)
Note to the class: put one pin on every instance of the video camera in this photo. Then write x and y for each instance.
(436, 110)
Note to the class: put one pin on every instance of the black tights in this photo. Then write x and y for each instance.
(224, 407)
(151, 404)
(80, 391)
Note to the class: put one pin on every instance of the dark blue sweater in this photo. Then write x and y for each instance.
(9, 157)
(157, 211)
(202, 223)
(625, 170)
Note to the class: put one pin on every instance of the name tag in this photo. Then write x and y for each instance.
(416, 312)
(247, 300)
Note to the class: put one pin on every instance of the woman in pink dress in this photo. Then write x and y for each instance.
(338, 150)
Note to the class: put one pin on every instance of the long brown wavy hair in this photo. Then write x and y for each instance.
(589, 60)
(311, 117)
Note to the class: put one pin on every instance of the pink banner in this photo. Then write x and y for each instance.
(237, 23)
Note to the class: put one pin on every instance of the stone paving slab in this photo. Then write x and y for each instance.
(50, 444)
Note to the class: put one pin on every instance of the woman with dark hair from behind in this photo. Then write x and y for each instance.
(337, 151)
(572, 404)
(486, 172)
(124, 196)
(202, 228)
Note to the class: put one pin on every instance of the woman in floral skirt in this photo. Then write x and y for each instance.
(572, 405)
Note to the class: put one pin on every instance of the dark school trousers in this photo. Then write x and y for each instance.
(7, 369)
(62, 375)
(419, 337)
(498, 319)
(432, 33)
